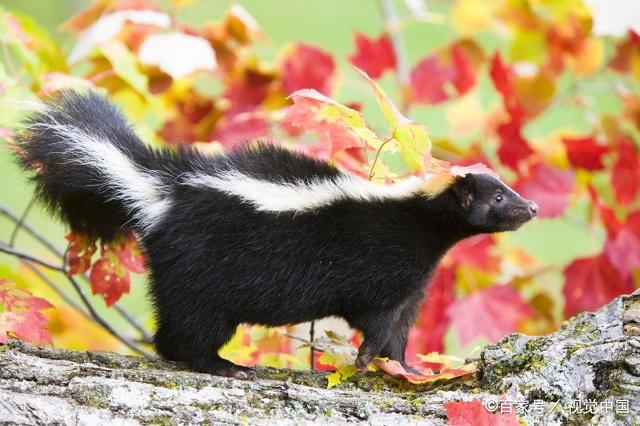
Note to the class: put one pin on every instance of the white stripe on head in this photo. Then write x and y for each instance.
(142, 193)
(303, 195)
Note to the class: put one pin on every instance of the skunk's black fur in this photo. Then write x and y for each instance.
(219, 256)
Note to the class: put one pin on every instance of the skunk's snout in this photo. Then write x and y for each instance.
(533, 209)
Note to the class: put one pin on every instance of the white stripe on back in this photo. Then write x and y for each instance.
(303, 195)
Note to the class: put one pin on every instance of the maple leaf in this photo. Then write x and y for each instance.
(492, 312)
(434, 77)
(622, 247)
(339, 353)
(627, 55)
(239, 130)
(504, 80)
(248, 91)
(607, 215)
(550, 187)
(306, 67)
(513, 147)
(623, 252)
(81, 249)
(374, 56)
(591, 283)
(241, 25)
(625, 176)
(344, 127)
(394, 368)
(127, 248)
(411, 137)
(109, 277)
(476, 251)
(20, 314)
(585, 152)
(461, 413)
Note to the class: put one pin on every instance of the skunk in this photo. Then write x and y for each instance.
(259, 235)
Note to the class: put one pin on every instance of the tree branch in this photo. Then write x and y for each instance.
(91, 312)
(592, 361)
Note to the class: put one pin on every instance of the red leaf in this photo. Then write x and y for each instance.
(81, 249)
(394, 368)
(513, 146)
(504, 80)
(492, 312)
(239, 130)
(551, 188)
(627, 53)
(607, 215)
(623, 252)
(19, 314)
(625, 176)
(109, 277)
(590, 283)
(475, 251)
(315, 112)
(374, 56)
(622, 247)
(450, 66)
(428, 333)
(129, 253)
(307, 67)
(585, 152)
(247, 93)
(473, 413)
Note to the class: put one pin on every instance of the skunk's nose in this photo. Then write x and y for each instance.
(533, 209)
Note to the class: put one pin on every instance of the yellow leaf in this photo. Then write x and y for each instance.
(438, 358)
(466, 116)
(343, 370)
(470, 16)
(125, 65)
(411, 138)
(528, 46)
(589, 57)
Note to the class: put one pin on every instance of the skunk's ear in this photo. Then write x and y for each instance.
(463, 192)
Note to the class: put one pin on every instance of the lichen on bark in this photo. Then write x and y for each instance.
(594, 356)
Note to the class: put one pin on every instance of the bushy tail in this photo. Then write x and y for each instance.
(90, 167)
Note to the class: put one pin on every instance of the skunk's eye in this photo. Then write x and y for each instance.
(499, 198)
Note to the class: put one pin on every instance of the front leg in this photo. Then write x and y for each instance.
(403, 320)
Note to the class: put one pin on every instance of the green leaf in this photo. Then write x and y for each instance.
(125, 65)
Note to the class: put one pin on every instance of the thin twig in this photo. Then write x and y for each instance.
(397, 42)
(53, 286)
(300, 339)
(10, 250)
(20, 223)
(146, 336)
(312, 336)
(375, 159)
(144, 333)
(94, 314)
(128, 342)
(13, 217)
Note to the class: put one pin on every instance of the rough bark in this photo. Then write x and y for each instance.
(593, 357)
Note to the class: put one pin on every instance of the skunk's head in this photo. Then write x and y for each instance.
(488, 205)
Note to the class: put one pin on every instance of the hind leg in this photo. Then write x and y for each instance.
(199, 349)
(167, 345)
